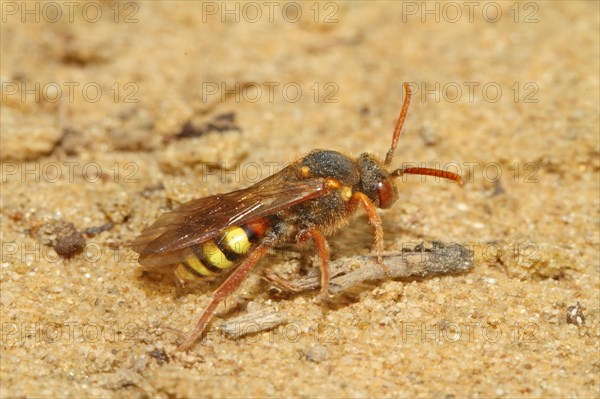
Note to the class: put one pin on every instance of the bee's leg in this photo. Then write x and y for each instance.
(323, 251)
(281, 283)
(229, 285)
(374, 220)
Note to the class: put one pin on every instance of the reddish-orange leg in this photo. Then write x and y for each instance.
(323, 251)
(374, 220)
(229, 285)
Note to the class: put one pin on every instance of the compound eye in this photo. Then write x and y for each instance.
(386, 193)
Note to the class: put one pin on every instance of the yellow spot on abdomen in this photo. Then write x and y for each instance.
(198, 266)
(236, 239)
(184, 275)
(215, 256)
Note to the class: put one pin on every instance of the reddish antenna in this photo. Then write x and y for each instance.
(428, 172)
(399, 124)
(413, 171)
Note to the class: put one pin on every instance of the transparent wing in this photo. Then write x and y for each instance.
(201, 219)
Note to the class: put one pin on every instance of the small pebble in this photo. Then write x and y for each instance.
(575, 315)
(69, 241)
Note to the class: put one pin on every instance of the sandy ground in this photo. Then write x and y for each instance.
(93, 94)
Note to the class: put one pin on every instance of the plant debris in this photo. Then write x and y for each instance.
(251, 323)
(421, 261)
(220, 123)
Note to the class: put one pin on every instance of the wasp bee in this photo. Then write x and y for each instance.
(307, 200)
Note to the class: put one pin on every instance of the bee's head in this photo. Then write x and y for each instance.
(376, 182)
(368, 174)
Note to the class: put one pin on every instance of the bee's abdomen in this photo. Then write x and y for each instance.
(224, 251)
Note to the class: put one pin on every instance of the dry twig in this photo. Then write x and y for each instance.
(250, 323)
(421, 261)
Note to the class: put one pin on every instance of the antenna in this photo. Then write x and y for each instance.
(428, 172)
(399, 124)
